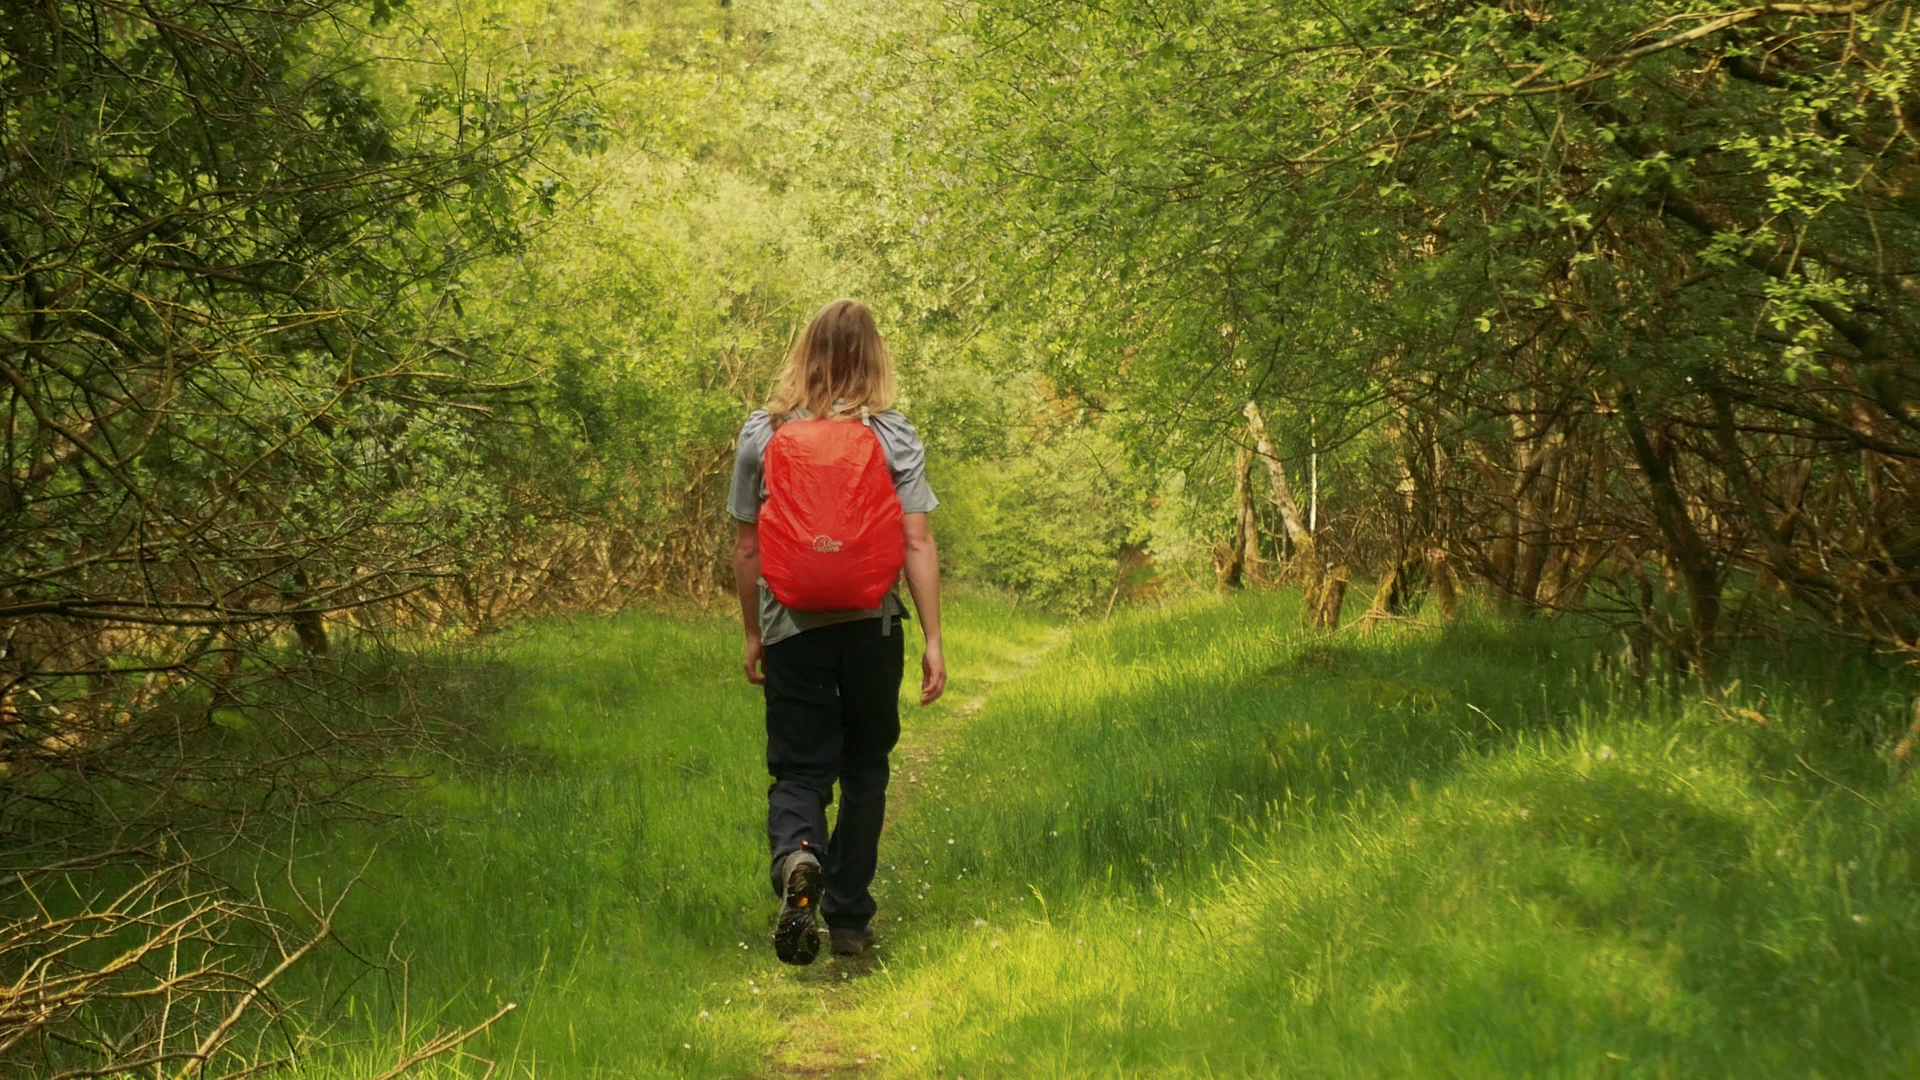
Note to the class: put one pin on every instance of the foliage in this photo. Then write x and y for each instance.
(1620, 284)
(239, 412)
(1042, 501)
(236, 401)
(740, 180)
(1059, 518)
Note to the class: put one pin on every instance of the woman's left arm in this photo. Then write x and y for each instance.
(923, 582)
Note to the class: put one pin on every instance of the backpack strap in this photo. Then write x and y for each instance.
(886, 617)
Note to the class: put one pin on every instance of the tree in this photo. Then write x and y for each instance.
(236, 411)
(1621, 282)
(234, 402)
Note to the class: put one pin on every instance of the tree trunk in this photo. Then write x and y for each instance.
(1279, 490)
(1324, 603)
(1686, 550)
(1440, 572)
(1306, 562)
(1229, 560)
(307, 625)
(1256, 564)
(1534, 505)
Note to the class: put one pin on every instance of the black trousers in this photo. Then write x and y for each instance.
(833, 714)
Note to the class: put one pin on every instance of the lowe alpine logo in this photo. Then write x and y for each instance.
(826, 545)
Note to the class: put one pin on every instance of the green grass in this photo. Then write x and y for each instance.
(585, 853)
(1237, 850)
(591, 849)
(1188, 842)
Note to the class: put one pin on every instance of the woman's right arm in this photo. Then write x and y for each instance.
(746, 585)
(743, 502)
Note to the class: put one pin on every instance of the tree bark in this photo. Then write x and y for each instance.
(1250, 557)
(1440, 572)
(1279, 490)
(1689, 553)
(1229, 560)
(1306, 565)
(1534, 533)
(1324, 604)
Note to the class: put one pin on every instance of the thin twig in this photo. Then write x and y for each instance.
(443, 1043)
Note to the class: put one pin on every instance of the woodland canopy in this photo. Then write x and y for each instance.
(1614, 303)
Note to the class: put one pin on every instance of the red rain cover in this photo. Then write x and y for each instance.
(831, 538)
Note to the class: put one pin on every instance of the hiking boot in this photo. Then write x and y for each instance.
(850, 940)
(796, 938)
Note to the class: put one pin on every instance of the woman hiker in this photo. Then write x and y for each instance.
(831, 677)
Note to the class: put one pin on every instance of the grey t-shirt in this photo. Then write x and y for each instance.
(906, 459)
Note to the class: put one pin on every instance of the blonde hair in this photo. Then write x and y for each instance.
(839, 364)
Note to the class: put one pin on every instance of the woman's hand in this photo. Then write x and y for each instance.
(754, 653)
(933, 674)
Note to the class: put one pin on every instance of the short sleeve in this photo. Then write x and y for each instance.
(746, 492)
(907, 459)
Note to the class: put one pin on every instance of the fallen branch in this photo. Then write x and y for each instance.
(442, 1044)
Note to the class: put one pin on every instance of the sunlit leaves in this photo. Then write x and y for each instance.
(1495, 223)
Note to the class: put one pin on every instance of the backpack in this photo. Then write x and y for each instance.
(831, 537)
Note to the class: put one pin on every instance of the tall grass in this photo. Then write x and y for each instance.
(1188, 842)
(587, 852)
(1199, 846)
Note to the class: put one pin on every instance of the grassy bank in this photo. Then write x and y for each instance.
(1187, 842)
(1196, 845)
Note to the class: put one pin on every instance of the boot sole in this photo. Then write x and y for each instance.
(796, 938)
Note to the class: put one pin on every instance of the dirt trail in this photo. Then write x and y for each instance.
(807, 999)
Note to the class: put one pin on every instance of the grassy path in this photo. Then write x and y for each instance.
(817, 1005)
(592, 850)
(919, 750)
(1189, 842)
(1195, 846)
